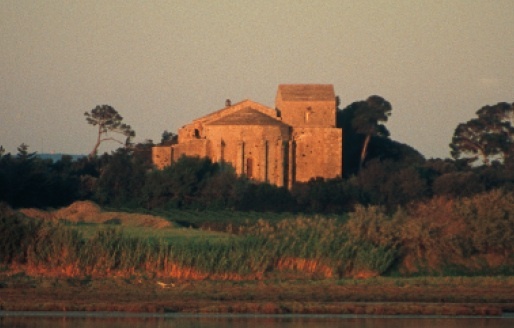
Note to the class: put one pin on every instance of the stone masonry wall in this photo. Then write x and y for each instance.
(308, 113)
(317, 153)
(162, 156)
(195, 147)
(253, 150)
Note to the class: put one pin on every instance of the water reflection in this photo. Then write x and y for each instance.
(114, 321)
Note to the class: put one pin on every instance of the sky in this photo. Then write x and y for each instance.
(161, 64)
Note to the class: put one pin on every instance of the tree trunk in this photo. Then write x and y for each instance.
(364, 150)
(98, 141)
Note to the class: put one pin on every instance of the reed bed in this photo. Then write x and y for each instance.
(438, 237)
(310, 245)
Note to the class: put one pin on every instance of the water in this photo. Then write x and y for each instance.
(115, 320)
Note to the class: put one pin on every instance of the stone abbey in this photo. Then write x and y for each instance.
(296, 141)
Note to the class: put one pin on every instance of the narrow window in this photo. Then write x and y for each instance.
(308, 113)
(249, 168)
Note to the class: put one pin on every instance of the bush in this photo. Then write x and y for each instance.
(490, 221)
(16, 235)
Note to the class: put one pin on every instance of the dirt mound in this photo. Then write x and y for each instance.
(79, 211)
(86, 211)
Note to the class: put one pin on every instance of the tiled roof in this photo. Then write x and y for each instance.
(246, 116)
(218, 112)
(306, 92)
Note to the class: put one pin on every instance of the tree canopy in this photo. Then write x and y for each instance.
(361, 121)
(108, 121)
(486, 138)
(168, 138)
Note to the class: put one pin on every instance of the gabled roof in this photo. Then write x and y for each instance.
(246, 116)
(234, 108)
(306, 92)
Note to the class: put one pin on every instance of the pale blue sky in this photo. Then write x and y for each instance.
(163, 63)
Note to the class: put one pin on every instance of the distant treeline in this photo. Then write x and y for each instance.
(127, 179)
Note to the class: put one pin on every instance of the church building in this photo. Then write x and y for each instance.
(294, 142)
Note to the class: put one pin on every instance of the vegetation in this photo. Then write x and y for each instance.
(488, 137)
(28, 181)
(442, 236)
(108, 121)
(367, 118)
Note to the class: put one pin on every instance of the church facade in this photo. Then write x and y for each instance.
(294, 142)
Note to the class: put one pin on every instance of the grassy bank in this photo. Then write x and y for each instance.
(299, 248)
(472, 236)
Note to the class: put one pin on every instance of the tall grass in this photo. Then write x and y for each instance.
(57, 246)
(441, 236)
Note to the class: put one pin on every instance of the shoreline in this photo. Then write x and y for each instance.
(143, 315)
(378, 297)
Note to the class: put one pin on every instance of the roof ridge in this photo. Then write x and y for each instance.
(246, 116)
(219, 111)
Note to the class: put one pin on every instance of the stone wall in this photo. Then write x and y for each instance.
(162, 156)
(317, 153)
(253, 150)
(317, 108)
(308, 114)
(194, 147)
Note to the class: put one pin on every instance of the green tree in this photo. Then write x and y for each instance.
(108, 121)
(389, 184)
(220, 190)
(458, 184)
(179, 185)
(168, 138)
(121, 179)
(23, 152)
(386, 149)
(368, 118)
(327, 196)
(486, 138)
(361, 122)
(29, 181)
